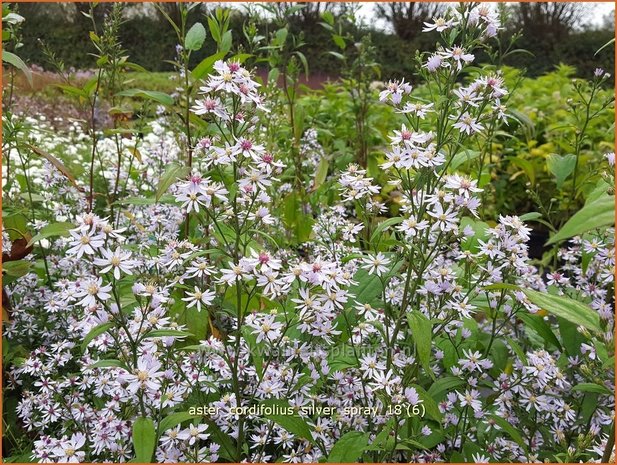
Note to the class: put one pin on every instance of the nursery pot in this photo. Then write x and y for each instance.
(536, 243)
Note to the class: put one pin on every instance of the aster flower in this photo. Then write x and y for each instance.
(67, 450)
(84, 242)
(199, 269)
(266, 328)
(371, 366)
(459, 56)
(118, 260)
(467, 124)
(445, 220)
(470, 398)
(199, 298)
(91, 291)
(193, 433)
(376, 264)
(385, 381)
(394, 91)
(147, 375)
(439, 24)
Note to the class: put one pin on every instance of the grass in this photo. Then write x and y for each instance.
(159, 81)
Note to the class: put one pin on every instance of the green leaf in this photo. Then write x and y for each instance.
(570, 338)
(167, 333)
(57, 164)
(160, 97)
(480, 229)
(52, 230)
(368, 287)
(383, 438)
(251, 340)
(537, 323)
(422, 333)
(463, 157)
(328, 17)
(349, 448)
(16, 224)
(384, 225)
(206, 65)
(16, 268)
(290, 208)
(508, 428)
(594, 215)
(171, 175)
(517, 349)
(561, 166)
(144, 439)
(321, 173)
(173, 420)
(500, 286)
(281, 36)
(570, 309)
(195, 37)
(273, 75)
(599, 190)
(13, 18)
(228, 446)
(292, 423)
(241, 57)
(342, 357)
(592, 387)
(430, 406)
(526, 166)
(226, 42)
(168, 198)
(108, 363)
(14, 60)
(443, 385)
(72, 90)
(94, 332)
(337, 55)
(530, 216)
(524, 120)
(339, 41)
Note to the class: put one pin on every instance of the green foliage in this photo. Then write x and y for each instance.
(144, 439)
(597, 214)
(195, 37)
(570, 309)
(349, 447)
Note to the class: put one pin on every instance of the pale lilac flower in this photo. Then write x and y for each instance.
(199, 298)
(119, 261)
(67, 450)
(376, 264)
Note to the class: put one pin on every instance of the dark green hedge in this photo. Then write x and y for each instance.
(150, 41)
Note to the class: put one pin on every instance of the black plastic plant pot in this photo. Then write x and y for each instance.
(536, 243)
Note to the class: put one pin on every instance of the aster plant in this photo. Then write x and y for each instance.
(190, 329)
